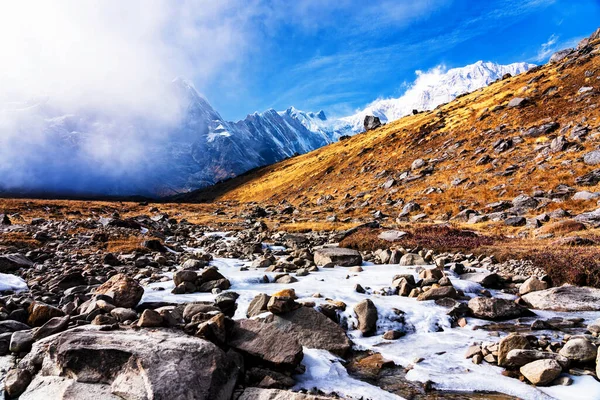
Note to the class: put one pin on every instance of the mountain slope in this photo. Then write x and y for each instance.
(435, 88)
(479, 149)
(91, 152)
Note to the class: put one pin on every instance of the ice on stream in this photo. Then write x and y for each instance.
(430, 335)
(12, 282)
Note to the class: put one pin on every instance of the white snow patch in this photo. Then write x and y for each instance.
(324, 371)
(12, 282)
(429, 332)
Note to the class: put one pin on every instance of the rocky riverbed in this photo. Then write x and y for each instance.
(195, 313)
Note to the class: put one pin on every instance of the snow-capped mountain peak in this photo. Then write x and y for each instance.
(435, 87)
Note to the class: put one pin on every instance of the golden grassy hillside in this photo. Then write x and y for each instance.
(451, 139)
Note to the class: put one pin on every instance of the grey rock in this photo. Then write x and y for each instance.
(366, 313)
(14, 262)
(592, 158)
(532, 284)
(541, 372)
(371, 122)
(438, 293)
(509, 343)
(55, 325)
(519, 357)
(266, 342)
(258, 305)
(392, 236)
(314, 330)
(560, 55)
(338, 256)
(16, 382)
(253, 393)
(21, 341)
(135, 364)
(12, 326)
(579, 350)
(564, 298)
(485, 279)
(411, 259)
(495, 308)
(517, 102)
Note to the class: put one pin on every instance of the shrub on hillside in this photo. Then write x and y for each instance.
(576, 266)
(440, 238)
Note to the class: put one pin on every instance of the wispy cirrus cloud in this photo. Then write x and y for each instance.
(547, 48)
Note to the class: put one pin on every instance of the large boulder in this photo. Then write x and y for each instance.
(125, 291)
(371, 122)
(510, 342)
(40, 313)
(366, 313)
(519, 357)
(392, 236)
(411, 259)
(532, 284)
(258, 305)
(338, 256)
(592, 158)
(579, 350)
(14, 262)
(438, 293)
(564, 298)
(541, 372)
(264, 341)
(157, 364)
(496, 309)
(253, 393)
(314, 330)
(485, 279)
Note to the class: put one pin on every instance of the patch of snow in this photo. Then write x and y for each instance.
(429, 332)
(325, 372)
(12, 282)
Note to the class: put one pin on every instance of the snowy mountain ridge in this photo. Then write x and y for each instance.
(95, 153)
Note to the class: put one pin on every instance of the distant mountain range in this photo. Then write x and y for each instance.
(202, 148)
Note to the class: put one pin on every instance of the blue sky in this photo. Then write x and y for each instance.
(341, 55)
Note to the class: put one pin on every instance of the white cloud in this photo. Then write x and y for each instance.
(108, 65)
(547, 48)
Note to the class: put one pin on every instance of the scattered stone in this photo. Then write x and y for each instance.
(371, 122)
(125, 291)
(564, 298)
(258, 305)
(541, 372)
(266, 342)
(338, 256)
(495, 308)
(510, 342)
(150, 319)
(579, 350)
(532, 284)
(366, 313)
(314, 330)
(16, 382)
(146, 363)
(438, 293)
(519, 357)
(410, 259)
(14, 262)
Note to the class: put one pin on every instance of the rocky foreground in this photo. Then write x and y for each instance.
(255, 314)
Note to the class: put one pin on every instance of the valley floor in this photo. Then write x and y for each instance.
(238, 275)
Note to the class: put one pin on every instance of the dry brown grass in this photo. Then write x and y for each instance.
(127, 244)
(351, 166)
(310, 226)
(20, 240)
